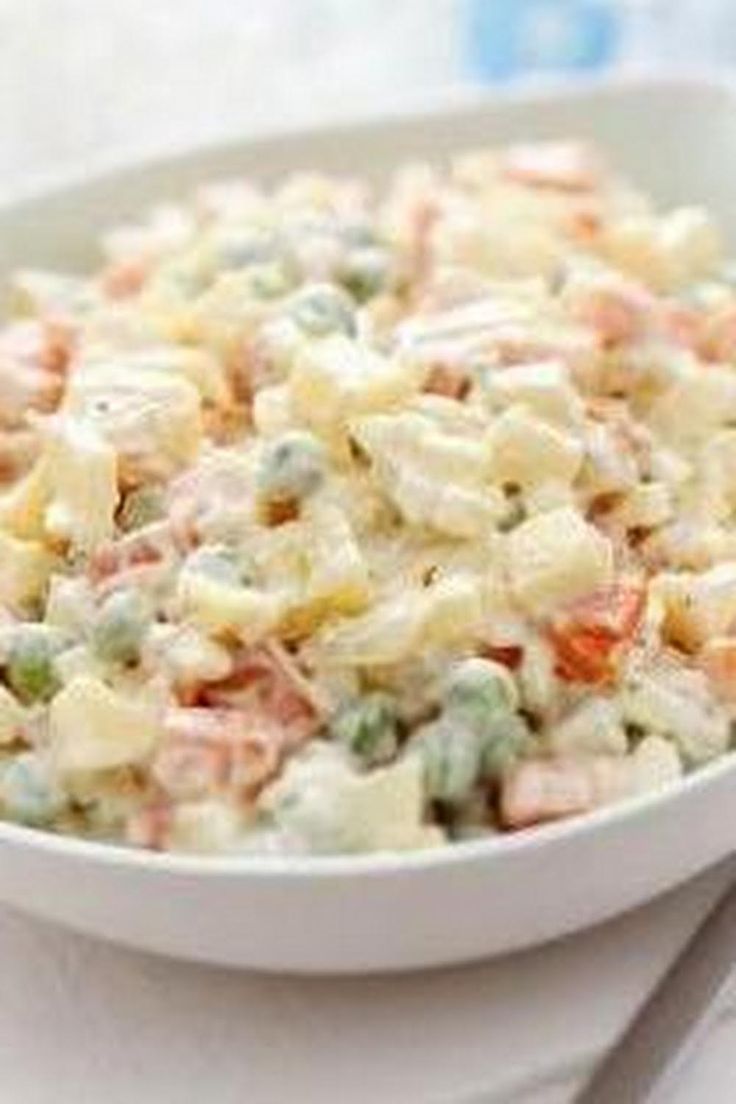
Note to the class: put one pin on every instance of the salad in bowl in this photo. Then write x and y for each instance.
(336, 520)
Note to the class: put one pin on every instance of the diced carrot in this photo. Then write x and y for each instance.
(206, 750)
(124, 278)
(59, 343)
(585, 222)
(268, 678)
(589, 634)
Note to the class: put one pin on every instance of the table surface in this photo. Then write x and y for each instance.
(109, 1023)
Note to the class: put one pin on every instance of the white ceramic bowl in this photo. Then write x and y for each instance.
(390, 912)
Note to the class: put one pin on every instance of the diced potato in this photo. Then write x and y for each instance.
(527, 451)
(248, 613)
(203, 827)
(544, 387)
(666, 253)
(674, 701)
(592, 728)
(335, 379)
(25, 567)
(83, 492)
(554, 558)
(449, 612)
(698, 607)
(645, 506)
(437, 480)
(338, 575)
(22, 506)
(655, 764)
(95, 728)
(198, 367)
(700, 403)
(272, 413)
(151, 418)
(70, 604)
(690, 243)
(328, 806)
(185, 655)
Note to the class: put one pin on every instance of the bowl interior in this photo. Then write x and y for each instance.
(675, 138)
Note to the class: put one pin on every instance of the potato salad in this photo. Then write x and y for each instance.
(337, 519)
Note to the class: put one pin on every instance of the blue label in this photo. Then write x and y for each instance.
(508, 38)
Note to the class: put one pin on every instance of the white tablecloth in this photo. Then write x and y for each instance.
(82, 1021)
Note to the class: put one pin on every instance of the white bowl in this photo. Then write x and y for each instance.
(391, 912)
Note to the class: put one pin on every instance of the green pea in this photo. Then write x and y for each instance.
(120, 626)
(368, 728)
(270, 280)
(245, 248)
(140, 507)
(28, 795)
(477, 691)
(451, 760)
(358, 233)
(292, 467)
(221, 563)
(506, 738)
(321, 309)
(365, 272)
(30, 670)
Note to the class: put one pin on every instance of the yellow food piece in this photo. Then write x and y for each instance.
(94, 728)
(25, 568)
(554, 558)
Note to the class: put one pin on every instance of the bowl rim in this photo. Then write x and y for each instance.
(264, 866)
(448, 102)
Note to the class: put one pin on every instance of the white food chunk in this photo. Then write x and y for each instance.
(554, 558)
(324, 802)
(82, 479)
(675, 702)
(25, 567)
(335, 379)
(93, 727)
(527, 451)
(407, 623)
(544, 387)
(592, 728)
(437, 480)
(698, 607)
